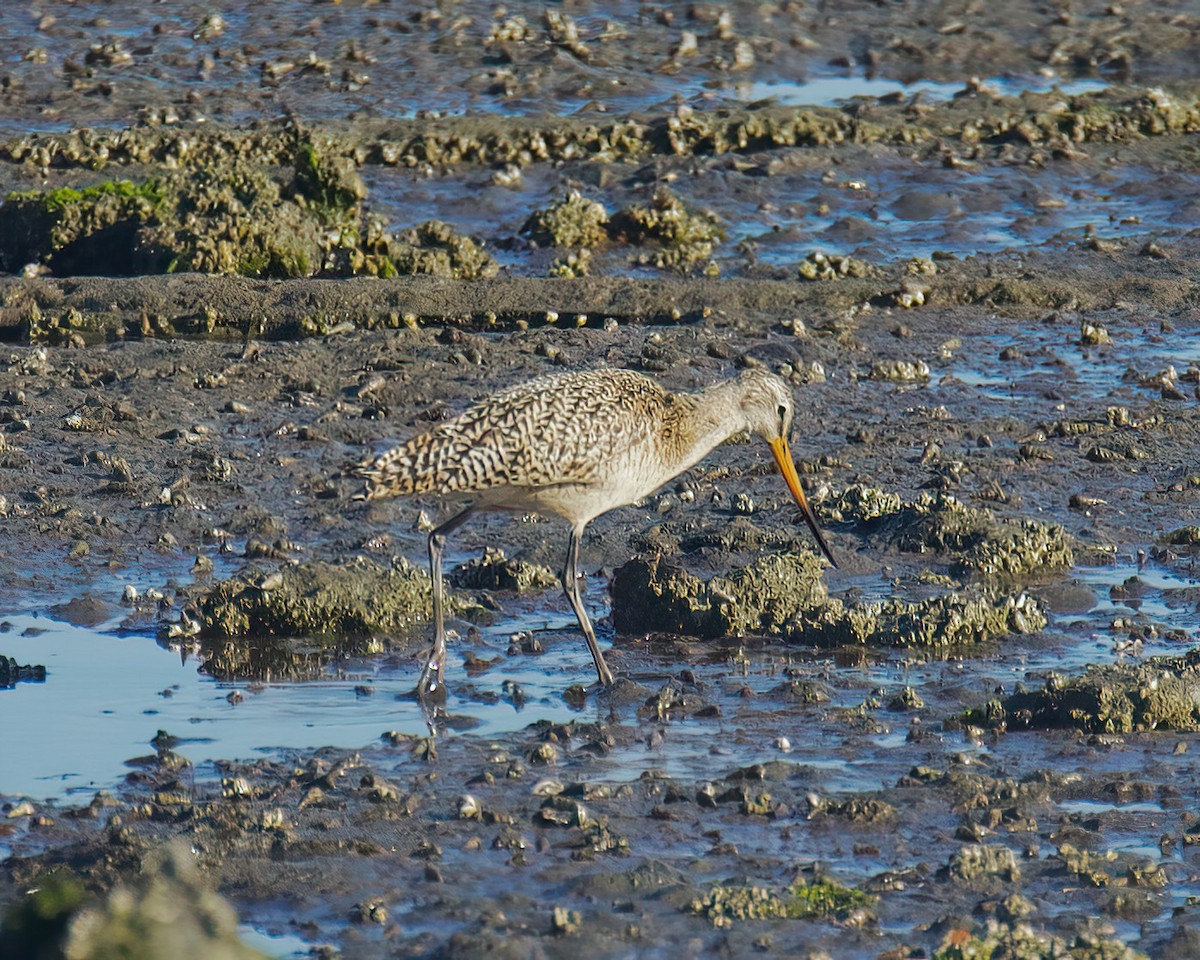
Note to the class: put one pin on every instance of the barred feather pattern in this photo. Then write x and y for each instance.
(561, 429)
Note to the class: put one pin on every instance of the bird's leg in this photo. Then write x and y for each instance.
(431, 685)
(570, 582)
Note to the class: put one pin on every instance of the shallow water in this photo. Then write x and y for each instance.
(107, 695)
(833, 89)
(889, 210)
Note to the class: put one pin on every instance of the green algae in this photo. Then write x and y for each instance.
(327, 180)
(42, 918)
(724, 904)
(76, 224)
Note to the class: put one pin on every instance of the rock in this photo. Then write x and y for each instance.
(495, 571)
(763, 598)
(167, 912)
(1159, 693)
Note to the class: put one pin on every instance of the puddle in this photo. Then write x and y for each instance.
(277, 946)
(106, 696)
(1095, 807)
(1143, 591)
(1052, 364)
(895, 210)
(830, 91)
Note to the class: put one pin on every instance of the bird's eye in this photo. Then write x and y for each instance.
(782, 412)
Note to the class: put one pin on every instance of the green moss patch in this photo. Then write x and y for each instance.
(820, 899)
(230, 214)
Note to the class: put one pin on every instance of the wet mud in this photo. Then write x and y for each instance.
(242, 250)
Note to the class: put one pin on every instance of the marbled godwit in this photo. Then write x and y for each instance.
(576, 445)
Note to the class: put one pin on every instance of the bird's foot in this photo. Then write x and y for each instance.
(577, 694)
(430, 688)
(426, 696)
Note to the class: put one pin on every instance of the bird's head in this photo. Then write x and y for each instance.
(768, 408)
(766, 403)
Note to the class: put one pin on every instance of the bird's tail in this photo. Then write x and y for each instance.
(382, 476)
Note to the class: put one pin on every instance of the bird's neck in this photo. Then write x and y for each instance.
(703, 421)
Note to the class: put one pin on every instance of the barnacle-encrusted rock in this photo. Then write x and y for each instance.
(1159, 693)
(724, 904)
(315, 599)
(1183, 537)
(71, 227)
(859, 503)
(900, 371)
(572, 221)
(434, 248)
(763, 597)
(980, 543)
(495, 571)
(952, 620)
(230, 214)
(820, 266)
(685, 237)
(220, 214)
(12, 673)
(784, 595)
(292, 623)
(166, 912)
(977, 861)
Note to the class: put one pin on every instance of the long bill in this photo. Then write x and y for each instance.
(783, 457)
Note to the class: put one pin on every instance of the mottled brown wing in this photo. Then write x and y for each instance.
(554, 430)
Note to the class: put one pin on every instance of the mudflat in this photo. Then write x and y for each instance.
(243, 250)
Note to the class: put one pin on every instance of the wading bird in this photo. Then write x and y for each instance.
(576, 445)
